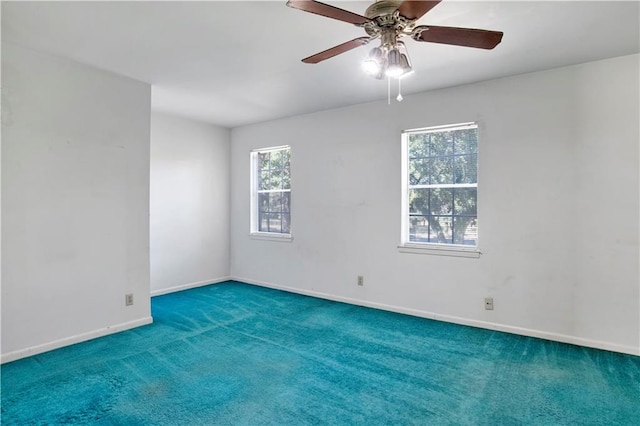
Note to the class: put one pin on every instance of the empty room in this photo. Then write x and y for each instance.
(320, 213)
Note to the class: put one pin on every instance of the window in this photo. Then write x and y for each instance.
(271, 192)
(440, 187)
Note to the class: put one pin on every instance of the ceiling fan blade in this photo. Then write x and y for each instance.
(336, 50)
(412, 9)
(470, 37)
(328, 11)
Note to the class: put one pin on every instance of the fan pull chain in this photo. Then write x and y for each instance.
(399, 98)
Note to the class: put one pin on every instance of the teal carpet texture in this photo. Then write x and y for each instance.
(236, 354)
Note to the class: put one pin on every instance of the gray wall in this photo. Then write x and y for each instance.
(558, 206)
(75, 202)
(189, 203)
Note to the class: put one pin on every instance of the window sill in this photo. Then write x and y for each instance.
(283, 238)
(440, 250)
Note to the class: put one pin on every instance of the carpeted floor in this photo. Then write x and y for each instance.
(235, 354)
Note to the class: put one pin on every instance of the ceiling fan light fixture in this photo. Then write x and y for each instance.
(394, 64)
(373, 64)
(406, 66)
(370, 66)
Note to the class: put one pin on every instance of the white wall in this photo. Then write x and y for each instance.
(75, 202)
(558, 206)
(189, 203)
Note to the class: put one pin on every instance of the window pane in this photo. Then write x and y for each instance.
(418, 201)
(263, 180)
(263, 161)
(466, 168)
(465, 231)
(263, 202)
(466, 141)
(418, 146)
(440, 229)
(286, 223)
(466, 201)
(276, 160)
(275, 222)
(418, 229)
(419, 171)
(286, 179)
(263, 221)
(286, 202)
(441, 144)
(276, 179)
(441, 170)
(275, 202)
(441, 201)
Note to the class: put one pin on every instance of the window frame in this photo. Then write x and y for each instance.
(441, 249)
(254, 233)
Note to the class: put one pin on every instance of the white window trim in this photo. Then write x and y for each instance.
(271, 236)
(407, 246)
(253, 207)
(440, 250)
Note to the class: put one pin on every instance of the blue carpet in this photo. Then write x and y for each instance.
(234, 354)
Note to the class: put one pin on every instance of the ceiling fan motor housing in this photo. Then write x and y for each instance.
(384, 17)
(382, 8)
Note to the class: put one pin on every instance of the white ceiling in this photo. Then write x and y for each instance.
(233, 63)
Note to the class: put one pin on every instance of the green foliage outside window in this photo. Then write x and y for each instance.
(274, 191)
(443, 177)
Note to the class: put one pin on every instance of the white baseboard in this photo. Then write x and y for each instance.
(162, 291)
(78, 338)
(456, 320)
(34, 350)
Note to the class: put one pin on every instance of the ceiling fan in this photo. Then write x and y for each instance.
(390, 20)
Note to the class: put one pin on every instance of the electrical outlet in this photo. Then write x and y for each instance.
(128, 299)
(360, 280)
(488, 303)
